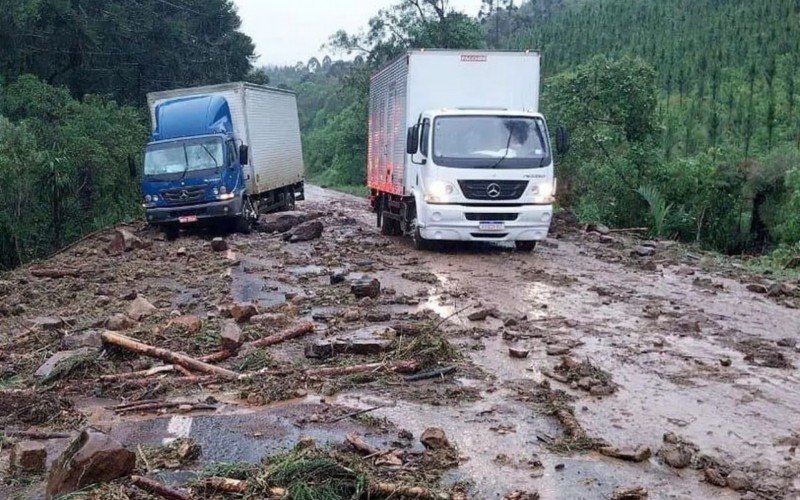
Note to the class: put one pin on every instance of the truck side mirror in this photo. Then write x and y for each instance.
(562, 141)
(412, 140)
(244, 154)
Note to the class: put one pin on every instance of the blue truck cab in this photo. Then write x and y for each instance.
(193, 166)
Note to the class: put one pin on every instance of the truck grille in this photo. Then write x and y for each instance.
(492, 217)
(493, 190)
(190, 194)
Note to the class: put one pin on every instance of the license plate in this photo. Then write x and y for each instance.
(188, 219)
(493, 226)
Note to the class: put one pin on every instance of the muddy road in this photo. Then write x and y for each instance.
(636, 364)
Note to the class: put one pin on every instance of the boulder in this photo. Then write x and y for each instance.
(28, 457)
(93, 457)
(284, 221)
(269, 319)
(366, 288)
(643, 251)
(757, 288)
(219, 245)
(306, 231)
(124, 241)
(713, 476)
(434, 438)
(482, 314)
(738, 480)
(242, 312)
(598, 228)
(231, 336)
(119, 322)
(189, 323)
(140, 308)
(557, 350)
(87, 338)
(676, 456)
(338, 278)
(518, 353)
(49, 323)
(59, 361)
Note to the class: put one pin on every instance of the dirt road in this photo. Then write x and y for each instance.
(672, 345)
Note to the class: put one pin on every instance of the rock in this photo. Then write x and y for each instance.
(306, 231)
(598, 228)
(557, 350)
(756, 288)
(421, 277)
(638, 493)
(518, 353)
(119, 322)
(607, 239)
(482, 314)
(219, 244)
(714, 477)
(93, 457)
(726, 362)
(269, 319)
(787, 342)
(283, 221)
(28, 457)
(351, 315)
(363, 347)
(231, 336)
(366, 288)
(124, 241)
(190, 324)
(521, 495)
(560, 467)
(640, 454)
(643, 251)
(242, 312)
(88, 338)
(366, 303)
(140, 308)
(59, 361)
(378, 316)
(338, 278)
(434, 438)
(676, 456)
(738, 480)
(49, 323)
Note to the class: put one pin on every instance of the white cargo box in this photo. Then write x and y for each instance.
(266, 119)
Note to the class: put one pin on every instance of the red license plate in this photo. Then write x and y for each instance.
(188, 219)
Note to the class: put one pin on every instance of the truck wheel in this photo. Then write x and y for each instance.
(525, 246)
(171, 231)
(244, 223)
(289, 201)
(389, 226)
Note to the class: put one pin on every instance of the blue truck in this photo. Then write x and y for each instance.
(221, 154)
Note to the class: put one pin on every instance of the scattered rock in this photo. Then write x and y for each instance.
(181, 252)
(363, 347)
(366, 288)
(598, 228)
(140, 308)
(639, 454)
(59, 363)
(713, 476)
(338, 278)
(434, 438)
(421, 277)
(28, 457)
(284, 221)
(124, 241)
(756, 288)
(48, 323)
(558, 350)
(190, 324)
(787, 342)
(522, 495)
(560, 467)
(231, 336)
(219, 244)
(518, 353)
(93, 457)
(630, 494)
(378, 316)
(726, 362)
(482, 314)
(306, 231)
(738, 480)
(643, 251)
(242, 312)
(88, 338)
(119, 322)
(269, 319)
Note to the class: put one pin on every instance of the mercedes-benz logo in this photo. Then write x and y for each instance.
(493, 190)
(184, 194)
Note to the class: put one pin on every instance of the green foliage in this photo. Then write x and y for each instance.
(65, 166)
(307, 476)
(659, 210)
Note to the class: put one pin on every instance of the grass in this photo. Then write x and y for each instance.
(231, 470)
(355, 190)
(313, 475)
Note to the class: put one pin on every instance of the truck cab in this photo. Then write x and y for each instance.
(193, 165)
(481, 175)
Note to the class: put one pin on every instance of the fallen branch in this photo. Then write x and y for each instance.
(160, 489)
(640, 454)
(361, 446)
(139, 374)
(298, 330)
(432, 374)
(629, 230)
(64, 272)
(354, 414)
(396, 490)
(225, 485)
(572, 427)
(340, 371)
(165, 355)
(35, 435)
(166, 406)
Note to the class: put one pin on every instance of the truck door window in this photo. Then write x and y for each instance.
(426, 136)
(231, 153)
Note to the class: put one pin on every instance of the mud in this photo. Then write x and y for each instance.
(671, 343)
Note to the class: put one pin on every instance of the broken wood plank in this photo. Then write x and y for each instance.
(572, 427)
(298, 330)
(132, 345)
(396, 490)
(225, 485)
(63, 272)
(160, 489)
(443, 372)
(360, 445)
(340, 371)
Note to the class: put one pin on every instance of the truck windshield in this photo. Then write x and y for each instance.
(182, 157)
(490, 142)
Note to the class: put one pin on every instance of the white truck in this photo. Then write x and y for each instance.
(458, 150)
(221, 153)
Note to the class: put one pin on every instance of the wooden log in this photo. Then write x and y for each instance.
(396, 490)
(341, 371)
(225, 485)
(139, 374)
(160, 489)
(572, 427)
(441, 373)
(360, 445)
(298, 330)
(35, 435)
(163, 405)
(132, 345)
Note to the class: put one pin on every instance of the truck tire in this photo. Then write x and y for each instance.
(244, 223)
(389, 226)
(419, 242)
(525, 246)
(171, 231)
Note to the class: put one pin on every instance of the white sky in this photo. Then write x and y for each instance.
(288, 31)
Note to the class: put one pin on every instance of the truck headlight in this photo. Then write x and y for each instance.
(148, 199)
(439, 192)
(215, 192)
(223, 190)
(543, 193)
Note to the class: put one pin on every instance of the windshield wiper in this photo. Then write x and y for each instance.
(508, 147)
(216, 163)
(186, 159)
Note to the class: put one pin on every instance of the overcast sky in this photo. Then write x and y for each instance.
(294, 30)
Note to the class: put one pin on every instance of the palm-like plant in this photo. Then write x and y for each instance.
(659, 210)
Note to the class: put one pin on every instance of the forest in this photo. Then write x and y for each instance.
(683, 115)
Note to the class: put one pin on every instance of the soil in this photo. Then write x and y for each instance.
(623, 350)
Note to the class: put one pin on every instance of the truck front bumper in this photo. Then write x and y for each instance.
(216, 209)
(469, 223)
